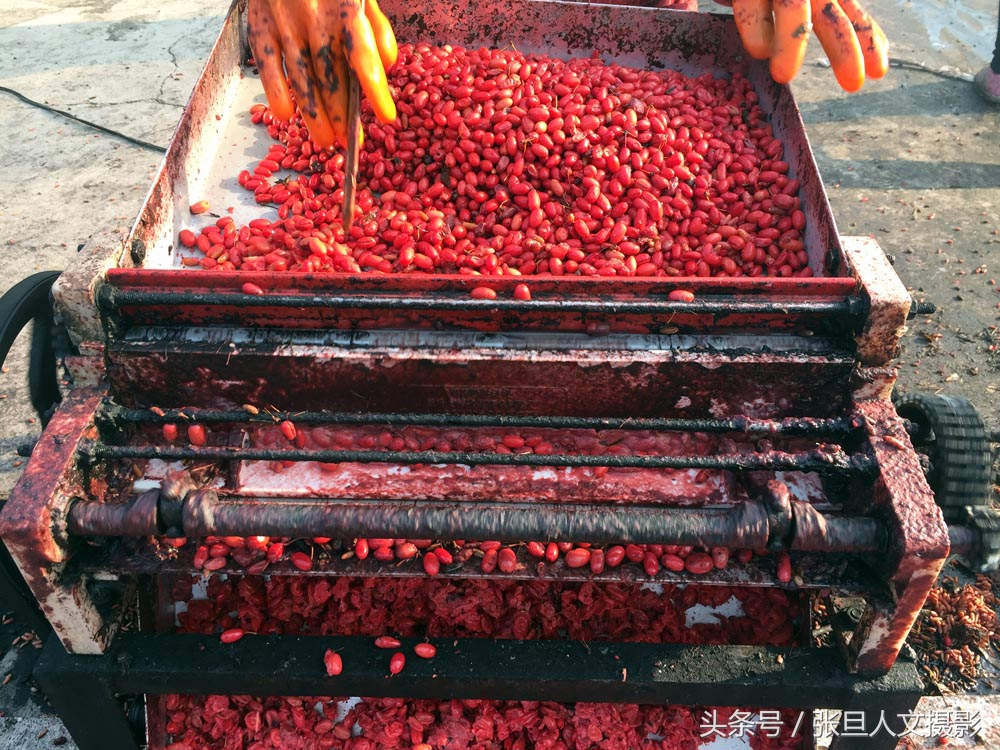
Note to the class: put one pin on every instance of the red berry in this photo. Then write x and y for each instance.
(432, 565)
(333, 663)
(232, 635)
(197, 435)
(288, 429)
(425, 650)
(577, 558)
(483, 292)
(397, 662)
(302, 561)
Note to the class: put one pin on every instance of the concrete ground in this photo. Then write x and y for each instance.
(913, 159)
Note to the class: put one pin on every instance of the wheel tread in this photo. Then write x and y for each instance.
(962, 470)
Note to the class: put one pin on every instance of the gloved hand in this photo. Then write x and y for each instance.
(315, 41)
(778, 30)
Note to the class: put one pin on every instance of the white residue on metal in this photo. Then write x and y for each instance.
(154, 472)
(758, 408)
(546, 474)
(656, 588)
(807, 488)
(157, 469)
(876, 637)
(718, 409)
(879, 631)
(701, 614)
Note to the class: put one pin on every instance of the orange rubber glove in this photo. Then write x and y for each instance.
(314, 42)
(778, 30)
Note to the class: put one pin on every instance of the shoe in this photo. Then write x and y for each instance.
(987, 83)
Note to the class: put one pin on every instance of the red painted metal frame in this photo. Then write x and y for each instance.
(381, 290)
(918, 539)
(34, 514)
(629, 288)
(33, 521)
(454, 376)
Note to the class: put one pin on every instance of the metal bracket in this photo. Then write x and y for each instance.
(888, 301)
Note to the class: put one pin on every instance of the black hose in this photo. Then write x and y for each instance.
(27, 301)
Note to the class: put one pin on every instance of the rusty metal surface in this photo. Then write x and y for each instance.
(578, 304)
(35, 510)
(815, 531)
(448, 374)
(888, 301)
(918, 539)
(75, 291)
(835, 429)
(743, 525)
(136, 517)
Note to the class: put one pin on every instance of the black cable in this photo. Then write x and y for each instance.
(88, 123)
(896, 62)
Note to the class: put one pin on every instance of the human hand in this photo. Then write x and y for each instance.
(314, 42)
(778, 30)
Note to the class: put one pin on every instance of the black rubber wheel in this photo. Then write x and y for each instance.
(27, 301)
(952, 435)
